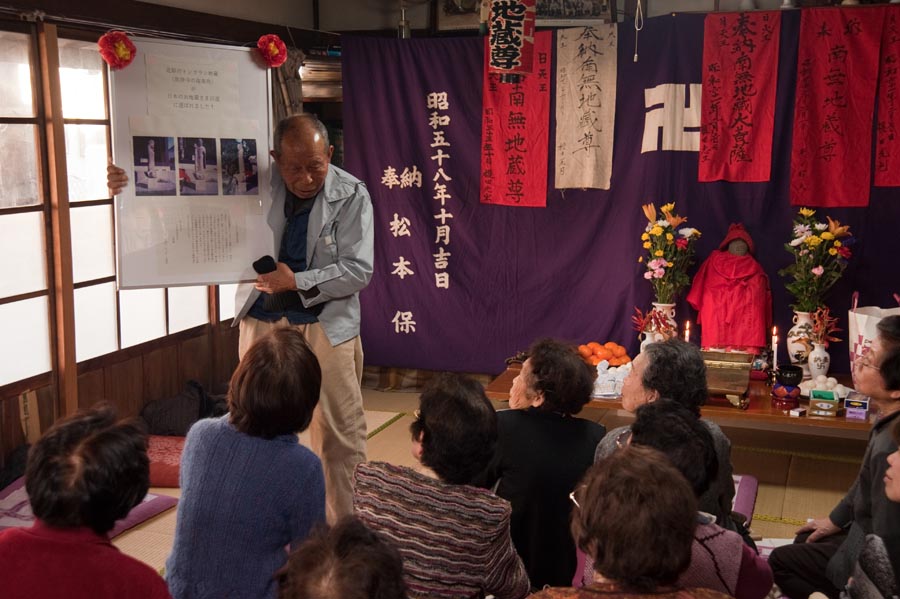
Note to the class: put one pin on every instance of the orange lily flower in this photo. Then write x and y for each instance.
(675, 220)
(649, 212)
(837, 229)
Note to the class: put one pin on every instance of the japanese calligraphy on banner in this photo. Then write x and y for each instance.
(515, 134)
(511, 36)
(740, 75)
(837, 70)
(585, 106)
(887, 147)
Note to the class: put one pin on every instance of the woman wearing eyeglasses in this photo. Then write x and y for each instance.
(825, 549)
(542, 452)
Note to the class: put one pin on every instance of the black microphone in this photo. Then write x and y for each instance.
(265, 265)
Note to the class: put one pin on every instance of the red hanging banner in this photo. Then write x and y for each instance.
(837, 70)
(887, 147)
(511, 36)
(740, 74)
(515, 132)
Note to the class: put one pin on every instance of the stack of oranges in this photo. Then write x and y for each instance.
(594, 353)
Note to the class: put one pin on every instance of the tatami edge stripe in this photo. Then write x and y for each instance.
(777, 520)
(396, 417)
(799, 454)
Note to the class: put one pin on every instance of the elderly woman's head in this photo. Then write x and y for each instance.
(275, 388)
(878, 371)
(455, 430)
(553, 378)
(672, 369)
(636, 518)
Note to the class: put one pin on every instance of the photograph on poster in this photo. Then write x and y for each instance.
(198, 167)
(550, 13)
(154, 165)
(240, 175)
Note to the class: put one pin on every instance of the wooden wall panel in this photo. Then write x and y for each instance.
(194, 361)
(225, 356)
(160, 374)
(91, 388)
(47, 404)
(124, 384)
(11, 435)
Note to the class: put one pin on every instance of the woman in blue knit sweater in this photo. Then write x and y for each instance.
(248, 489)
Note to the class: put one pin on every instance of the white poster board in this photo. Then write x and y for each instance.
(191, 124)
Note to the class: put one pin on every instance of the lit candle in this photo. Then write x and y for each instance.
(775, 348)
(687, 331)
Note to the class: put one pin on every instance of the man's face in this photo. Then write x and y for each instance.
(303, 163)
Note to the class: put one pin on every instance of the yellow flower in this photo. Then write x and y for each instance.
(647, 245)
(667, 208)
(837, 229)
(837, 243)
(656, 230)
(670, 264)
(640, 258)
(645, 237)
(658, 253)
(669, 237)
(649, 212)
(813, 240)
(807, 212)
(833, 252)
(826, 235)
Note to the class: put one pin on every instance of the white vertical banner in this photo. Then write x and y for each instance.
(585, 105)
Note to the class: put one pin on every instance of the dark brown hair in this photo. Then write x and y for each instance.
(889, 331)
(637, 519)
(458, 428)
(348, 561)
(561, 375)
(275, 388)
(88, 470)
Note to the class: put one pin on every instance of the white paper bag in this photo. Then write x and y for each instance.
(862, 328)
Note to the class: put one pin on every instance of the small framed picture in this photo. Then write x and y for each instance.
(458, 15)
(573, 13)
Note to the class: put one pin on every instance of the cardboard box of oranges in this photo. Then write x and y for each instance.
(593, 353)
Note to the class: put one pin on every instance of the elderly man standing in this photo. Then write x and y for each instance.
(324, 230)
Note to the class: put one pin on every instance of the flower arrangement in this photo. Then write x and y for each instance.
(116, 49)
(670, 251)
(653, 321)
(824, 326)
(272, 50)
(821, 251)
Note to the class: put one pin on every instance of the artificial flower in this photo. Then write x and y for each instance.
(801, 230)
(807, 212)
(670, 251)
(832, 252)
(813, 240)
(821, 226)
(837, 229)
(824, 326)
(818, 271)
(826, 235)
(797, 241)
(272, 50)
(116, 49)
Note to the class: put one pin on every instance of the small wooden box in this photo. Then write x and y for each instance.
(824, 403)
(727, 373)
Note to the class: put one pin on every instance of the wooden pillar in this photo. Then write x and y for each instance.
(63, 289)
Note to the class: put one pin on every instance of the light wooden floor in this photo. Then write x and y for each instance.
(800, 476)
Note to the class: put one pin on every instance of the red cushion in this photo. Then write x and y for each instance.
(165, 458)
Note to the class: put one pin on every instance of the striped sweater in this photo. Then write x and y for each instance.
(454, 539)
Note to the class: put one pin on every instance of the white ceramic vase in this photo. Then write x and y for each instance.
(819, 360)
(668, 310)
(798, 341)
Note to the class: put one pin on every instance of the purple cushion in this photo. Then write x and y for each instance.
(16, 511)
(745, 489)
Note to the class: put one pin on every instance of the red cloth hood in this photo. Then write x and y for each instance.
(737, 231)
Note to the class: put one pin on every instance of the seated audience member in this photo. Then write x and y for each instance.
(825, 550)
(541, 454)
(720, 560)
(454, 537)
(635, 516)
(248, 488)
(86, 472)
(674, 369)
(348, 561)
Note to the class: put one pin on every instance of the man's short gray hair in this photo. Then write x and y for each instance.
(297, 122)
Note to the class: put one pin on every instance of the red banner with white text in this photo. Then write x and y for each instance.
(515, 133)
(887, 142)
(837, 72)
(740, 75)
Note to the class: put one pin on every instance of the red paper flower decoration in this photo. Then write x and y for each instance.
(272, 50)
(116, 49)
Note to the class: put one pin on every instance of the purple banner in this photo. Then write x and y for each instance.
(569, 270)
